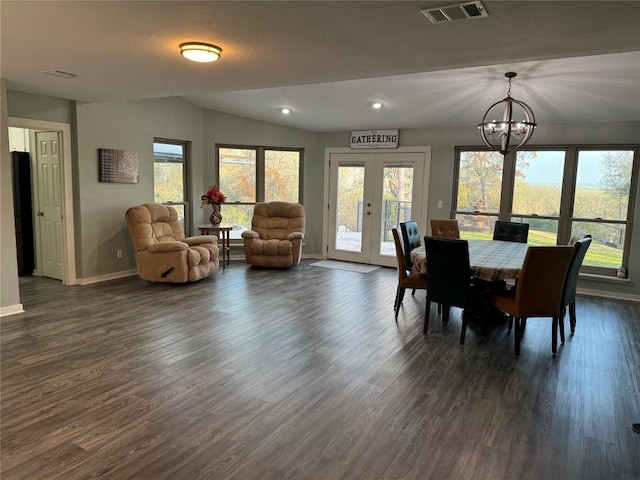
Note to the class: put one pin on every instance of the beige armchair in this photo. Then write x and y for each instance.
(163, 254)
(275, 238)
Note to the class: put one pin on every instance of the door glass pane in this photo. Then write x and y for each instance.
(237, 175)
(281, 176)
(607, 243)
(168, 173)
(603, 184)
(480, 182)
(349, 211)
(397, 195)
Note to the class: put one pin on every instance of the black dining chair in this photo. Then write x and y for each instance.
(569, 293)
(511, 231)
(449, 279)
(410, 239)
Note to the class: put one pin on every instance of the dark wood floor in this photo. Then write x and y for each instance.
(259, 374)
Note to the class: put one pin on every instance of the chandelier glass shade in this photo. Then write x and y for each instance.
(507, 134)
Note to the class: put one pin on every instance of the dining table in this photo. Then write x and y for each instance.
(490, 260)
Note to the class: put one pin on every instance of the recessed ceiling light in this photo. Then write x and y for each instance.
(200, 52)
(286, 110)
(377, 105)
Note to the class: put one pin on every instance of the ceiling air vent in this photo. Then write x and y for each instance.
(61, 73)
(461, 11)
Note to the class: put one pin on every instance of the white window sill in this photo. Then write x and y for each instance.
(603, 278)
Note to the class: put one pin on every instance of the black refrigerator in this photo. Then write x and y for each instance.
(23, 211)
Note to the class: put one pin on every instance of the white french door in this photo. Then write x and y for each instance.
(369, 194)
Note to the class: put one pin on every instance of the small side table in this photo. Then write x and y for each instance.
(223, 232)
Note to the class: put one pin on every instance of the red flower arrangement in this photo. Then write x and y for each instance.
(213, 196)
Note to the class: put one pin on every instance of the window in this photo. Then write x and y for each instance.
(559, 191)
(250, 174)
(170, 186)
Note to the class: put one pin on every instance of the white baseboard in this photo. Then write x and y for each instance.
(307, 256)
(104, 278)
(11, 310)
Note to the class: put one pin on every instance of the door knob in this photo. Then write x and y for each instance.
(40, 214)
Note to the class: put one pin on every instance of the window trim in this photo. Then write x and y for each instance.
(565, 217)
(186, 180)
(260, 171)
(260, 167)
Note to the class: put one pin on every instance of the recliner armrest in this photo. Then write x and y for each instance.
(170, 246)
(250, 234)
(294, 235)
(200, 240)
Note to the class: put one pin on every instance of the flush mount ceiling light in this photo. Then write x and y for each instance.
(286, 110)
(498, 134)
(200, 52)
(376, 105)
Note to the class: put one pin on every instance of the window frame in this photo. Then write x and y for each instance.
(260, 151)
(186, 180)
(565, 217)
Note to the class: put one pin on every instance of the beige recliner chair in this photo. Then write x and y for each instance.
(275, 238)
(163, 254)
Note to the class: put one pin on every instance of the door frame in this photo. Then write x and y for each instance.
(422, 208)
(68, 238)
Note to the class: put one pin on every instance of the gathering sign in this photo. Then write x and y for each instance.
(374, 139)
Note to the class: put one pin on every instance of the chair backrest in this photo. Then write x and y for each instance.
(410, 239)
(580, 250)
(448, 270)
(446, 227)
(276, 220)
(151, 223)
(511, 231)
(541, 281)
(578, 236)
(402, 266)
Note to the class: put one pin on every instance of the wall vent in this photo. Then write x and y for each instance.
(461, 11)
(61, 73)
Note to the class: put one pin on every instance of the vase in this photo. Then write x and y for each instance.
(216, 216)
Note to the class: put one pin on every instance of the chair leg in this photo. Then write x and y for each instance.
(509, 323)
(516, 336)
(396, 303)
(439, 308)
(445, 314)
(572, 317)
(554, 336)
(413, 292)
(427, 309)
(561, 328)
(464, 326)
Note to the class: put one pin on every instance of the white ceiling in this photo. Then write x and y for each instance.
(576, 61)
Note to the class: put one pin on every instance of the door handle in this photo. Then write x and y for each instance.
(40, 214)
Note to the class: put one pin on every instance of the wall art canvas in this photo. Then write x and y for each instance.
(118, 166)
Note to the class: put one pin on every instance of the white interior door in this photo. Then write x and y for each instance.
(49, 203)
(369, 194)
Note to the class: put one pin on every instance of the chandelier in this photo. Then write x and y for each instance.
(507, 135)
